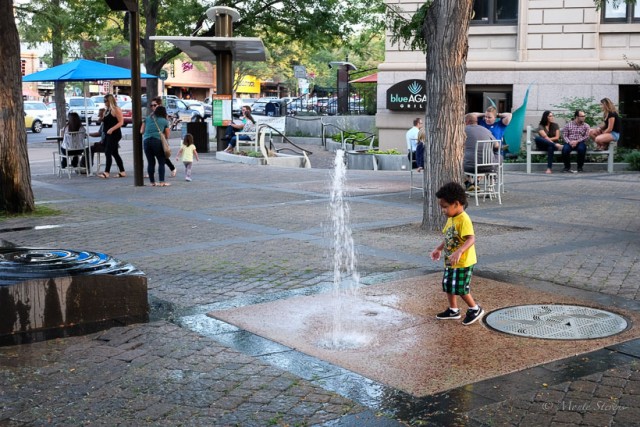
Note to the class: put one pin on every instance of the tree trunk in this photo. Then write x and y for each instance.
(16, 195)
(445, 30)
(150, 61)
(56, 58)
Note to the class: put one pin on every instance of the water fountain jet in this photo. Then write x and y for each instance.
(346, 279)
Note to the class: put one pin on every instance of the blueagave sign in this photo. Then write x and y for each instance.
(408, 95)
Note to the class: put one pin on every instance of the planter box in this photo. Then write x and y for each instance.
(287, 161)
(281, 160)
(392, 162)
(334, 146)
(360, 160)
(234, 158)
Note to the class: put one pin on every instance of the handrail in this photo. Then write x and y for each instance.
(303, 151)
(369, 137)
(324, 126)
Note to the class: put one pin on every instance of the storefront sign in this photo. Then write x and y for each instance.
(221, 110)
(249, 84)
(408, 95)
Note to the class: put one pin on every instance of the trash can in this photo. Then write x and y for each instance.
(200, 135)
(272, 109)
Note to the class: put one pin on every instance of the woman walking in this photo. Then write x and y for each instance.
(112, 122)
(151, 129)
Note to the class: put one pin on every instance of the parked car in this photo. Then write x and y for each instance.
(99, 101)
(208, 110)
(195, 105)
(175, 107)
(33, 123)
(236, 106)
(320, 105)
(85, 107)
(259, 106)
(40, 111)
(127, 112)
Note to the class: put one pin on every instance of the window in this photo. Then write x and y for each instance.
(621, 12)
(495, 12)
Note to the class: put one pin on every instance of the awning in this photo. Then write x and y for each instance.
(371, 78)
(203, 48)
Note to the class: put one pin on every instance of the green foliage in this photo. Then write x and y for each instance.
(633, 158)
(408, 28)
(591, 108)
(391, 151)
(355, 136)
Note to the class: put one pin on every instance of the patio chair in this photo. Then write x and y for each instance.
(77, 145)
(486, 177)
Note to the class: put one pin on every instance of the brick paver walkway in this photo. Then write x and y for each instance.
(239, 235)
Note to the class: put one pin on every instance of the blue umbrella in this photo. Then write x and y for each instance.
(83, 70)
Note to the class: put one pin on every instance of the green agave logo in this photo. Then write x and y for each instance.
(415, 88)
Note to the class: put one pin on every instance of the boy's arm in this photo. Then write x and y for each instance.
(435, 254)
(455, 256)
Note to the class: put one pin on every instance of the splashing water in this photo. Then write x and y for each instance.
(346, 280)
(344, 256)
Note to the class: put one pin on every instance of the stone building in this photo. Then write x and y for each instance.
(563, 48)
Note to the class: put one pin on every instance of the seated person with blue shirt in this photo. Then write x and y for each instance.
(496, 123)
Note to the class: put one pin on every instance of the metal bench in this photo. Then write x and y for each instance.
(610, 152)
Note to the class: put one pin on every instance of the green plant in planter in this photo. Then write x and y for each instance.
(633, 158)
(356, 135)
(391, 151)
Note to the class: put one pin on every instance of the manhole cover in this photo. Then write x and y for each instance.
(557, 322)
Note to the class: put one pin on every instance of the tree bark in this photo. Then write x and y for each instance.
(56, 58)
(16, 195)
(150, 62)
(445, 31)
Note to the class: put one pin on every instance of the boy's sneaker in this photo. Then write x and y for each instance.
(187, 179)
(472, 316)
(448, 314)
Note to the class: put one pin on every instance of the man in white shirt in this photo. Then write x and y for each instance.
(415, 149)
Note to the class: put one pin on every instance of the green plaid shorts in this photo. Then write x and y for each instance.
(456, 281)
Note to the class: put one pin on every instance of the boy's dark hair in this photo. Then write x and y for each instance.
(452, 192)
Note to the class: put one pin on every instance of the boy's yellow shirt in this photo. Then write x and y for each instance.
(456, 231)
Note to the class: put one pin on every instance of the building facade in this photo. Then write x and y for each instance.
(561, 48)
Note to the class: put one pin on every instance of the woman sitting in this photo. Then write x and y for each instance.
(249, 126)
(548, 137)
(74, 135)
(610, 131)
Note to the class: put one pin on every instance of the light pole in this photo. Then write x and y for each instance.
(131, 6)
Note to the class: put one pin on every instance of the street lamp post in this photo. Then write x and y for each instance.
(131, 6)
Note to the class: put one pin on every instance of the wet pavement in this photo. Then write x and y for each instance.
(242, 235)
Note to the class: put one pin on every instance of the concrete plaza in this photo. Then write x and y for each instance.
(242, 235)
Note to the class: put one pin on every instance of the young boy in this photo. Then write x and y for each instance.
(459, 253)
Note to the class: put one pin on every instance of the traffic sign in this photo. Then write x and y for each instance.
(163, 75)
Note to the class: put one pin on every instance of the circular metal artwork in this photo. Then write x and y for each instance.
(21, 264)
(556, 322)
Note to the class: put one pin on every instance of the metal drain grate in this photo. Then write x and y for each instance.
(557, 322)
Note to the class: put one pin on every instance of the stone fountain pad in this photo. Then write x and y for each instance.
(402, 344)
